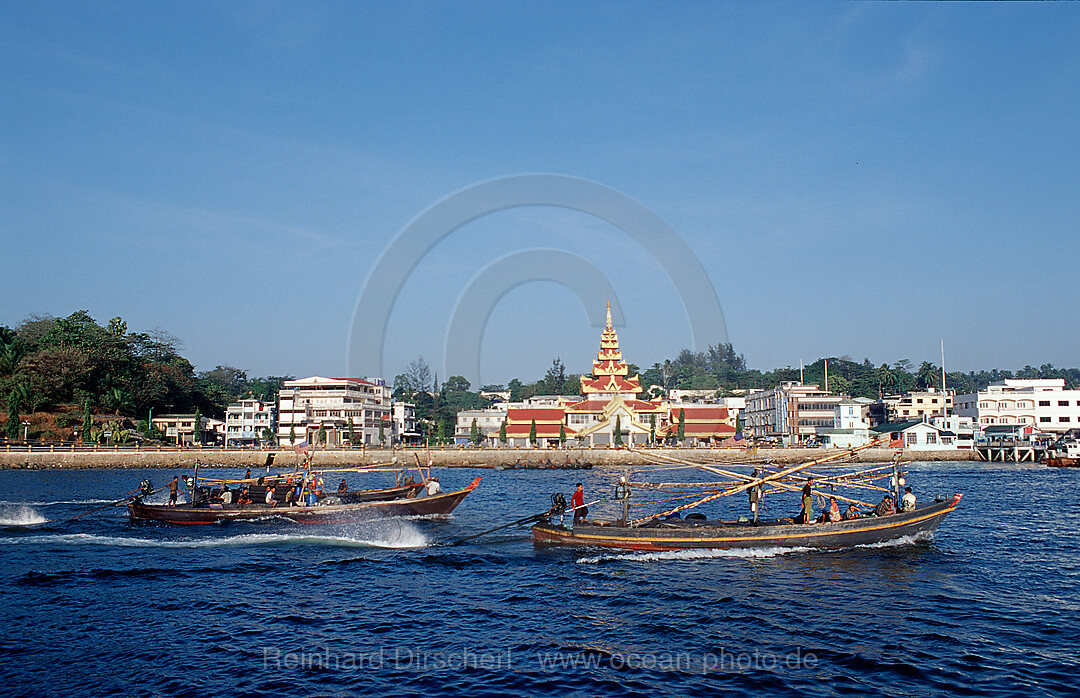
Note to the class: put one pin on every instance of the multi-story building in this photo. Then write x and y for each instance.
(851, 424)
(912, 406)
(791, 412)
(487, 421)
(180, 428)
(248, 421)
(310, 407)
(1044, 404)
(404, 424)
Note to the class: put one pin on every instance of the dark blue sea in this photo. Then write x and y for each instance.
(989, 606)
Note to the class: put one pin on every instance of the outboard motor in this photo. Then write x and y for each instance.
(145, 488)
(558, 503)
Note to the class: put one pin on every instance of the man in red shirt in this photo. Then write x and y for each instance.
(577, 503)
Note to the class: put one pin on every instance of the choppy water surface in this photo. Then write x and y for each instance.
(102, 605)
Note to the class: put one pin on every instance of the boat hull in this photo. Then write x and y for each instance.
(684, 535)
(1061, 462)
(437, 505)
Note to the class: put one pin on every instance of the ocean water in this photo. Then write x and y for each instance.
(100, 605)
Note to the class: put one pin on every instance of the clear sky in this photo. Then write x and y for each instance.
(856, 179)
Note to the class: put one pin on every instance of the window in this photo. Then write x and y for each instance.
(912, 438)
(1044, 403)
(931, 438)
(1063, 419)
(1063, 403)
(1044, 419)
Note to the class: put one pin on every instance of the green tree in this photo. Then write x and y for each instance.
(322, 434)
(502, 432)
(456, 383)
(474, 433)
(88, 420)
(562, 435)
(382, 432)
(292, 435)
(516, 390)
(197, 435)
(13, 416)
(652, 428)
(682, 424)
(117, 327)
(352, 435)
(532, 433)
(618, 430)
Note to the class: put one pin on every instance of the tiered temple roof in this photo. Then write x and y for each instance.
(609, 370)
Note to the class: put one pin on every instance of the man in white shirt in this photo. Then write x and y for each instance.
(907, 502)
(433, 487)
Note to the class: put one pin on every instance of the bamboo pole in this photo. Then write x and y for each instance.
(753, 483)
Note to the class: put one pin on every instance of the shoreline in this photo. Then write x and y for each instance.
(451, 458)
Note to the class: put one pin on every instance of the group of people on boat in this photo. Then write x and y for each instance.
(831, 513)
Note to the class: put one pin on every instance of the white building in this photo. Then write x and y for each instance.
(180, 428)
(315, 405)
(487, 421)
(917, 436)
(1044, 404)
(404, 424)
(851, 424)
(246, 422)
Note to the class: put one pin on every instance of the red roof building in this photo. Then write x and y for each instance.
(612, 406)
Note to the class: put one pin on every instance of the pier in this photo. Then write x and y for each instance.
(1010, 452)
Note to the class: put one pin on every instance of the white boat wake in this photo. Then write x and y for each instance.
(694, 554)
(20, 515)
(400, 536)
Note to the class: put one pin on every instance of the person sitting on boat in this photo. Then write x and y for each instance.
(577, 503)
(834, 510)
(226, 494)
(343, 487)
(244, 499)
(907, 502)
(852, 512)
(885, 507)
(270, 501)
(432, 487)
(174, 488)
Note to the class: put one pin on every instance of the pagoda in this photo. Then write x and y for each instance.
(609, 370)
(609, 411)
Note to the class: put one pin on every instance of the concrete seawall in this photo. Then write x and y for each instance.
(186, 458)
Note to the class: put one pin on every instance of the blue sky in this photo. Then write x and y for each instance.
(856, 179)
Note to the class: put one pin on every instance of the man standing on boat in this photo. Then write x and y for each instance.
(577, 503)
(174, 488)
(808, 502)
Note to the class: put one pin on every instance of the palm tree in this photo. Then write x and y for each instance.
(927, 374)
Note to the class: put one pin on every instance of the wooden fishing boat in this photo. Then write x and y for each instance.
(329, 509)
(668, 530)
(682, 534)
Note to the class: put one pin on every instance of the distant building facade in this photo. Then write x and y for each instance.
(1044, 404)
(247, 420)
(487, 421)
(912, 406)
(312, 406)
(792, 413)
(404, 428)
